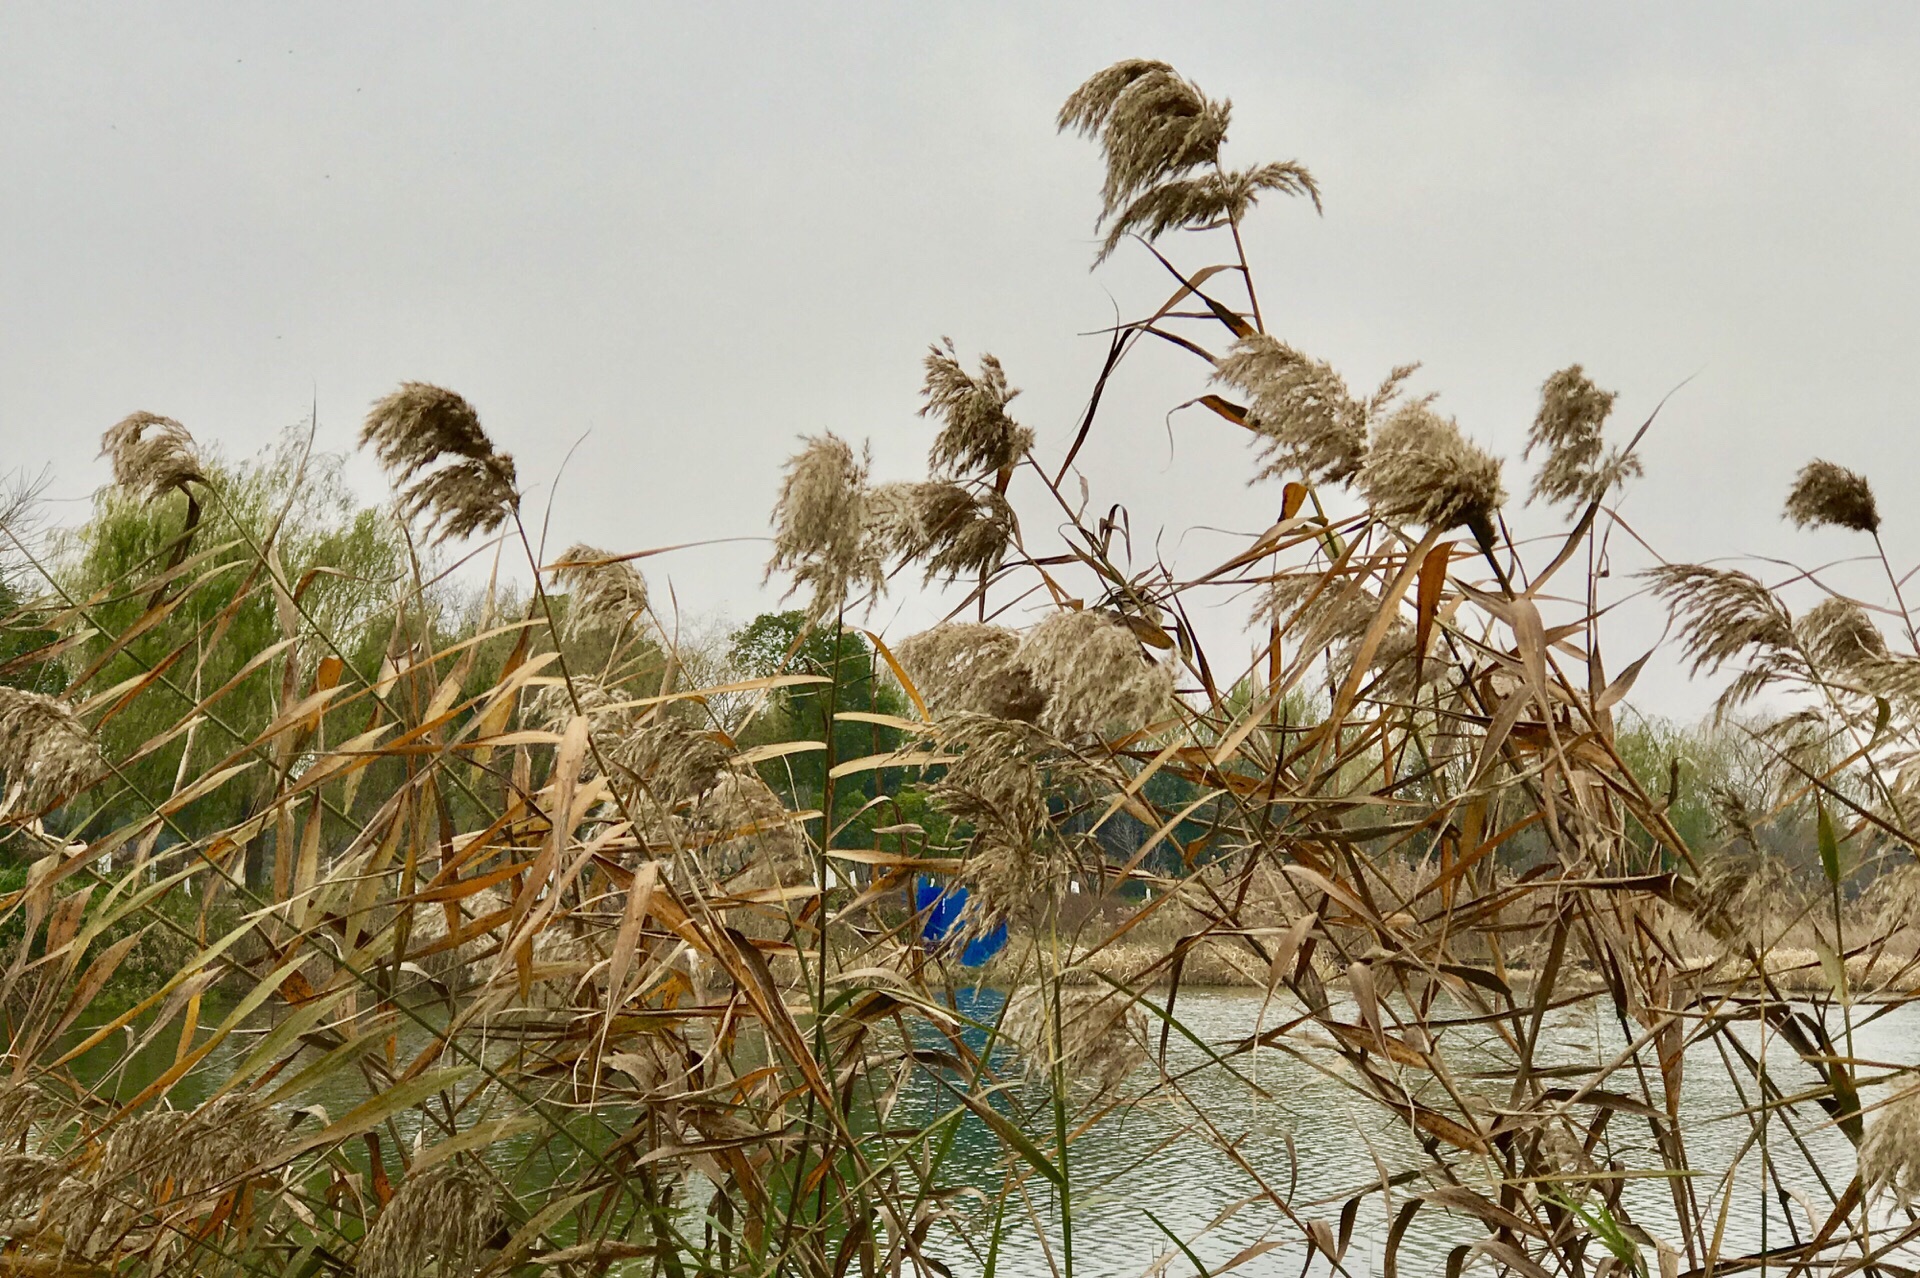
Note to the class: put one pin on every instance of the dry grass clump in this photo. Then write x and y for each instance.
(47, 753)
(1311, 424)
(1578, 467)
(151, 455)
(1826, 495)
(419, 425)
(602, 589)
(821, 528)
(976, 434)
(1421, 469)
(438, 1223)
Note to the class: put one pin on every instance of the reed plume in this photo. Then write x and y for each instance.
(419, 425)
(1722, 612)
(438, 1223)
(26, 1180)
(1204, 201)
(976, 434)
(47, 753)
(1578, 468)
(1091, 670)
(997, 788)
(151, 455)
(1152, 125)
(675, 759)
(602, 590)
(1890, 1154)
(951, 529)
(949, 662)
(1826, 495)
(1421, 469)
(162, 1162)
(1838, 636)
(820, 527)
(967, 668)
(748, 823)
(1309, 422)
(1097, 1040)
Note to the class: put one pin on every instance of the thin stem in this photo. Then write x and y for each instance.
(1246, 275)
(1906, 617)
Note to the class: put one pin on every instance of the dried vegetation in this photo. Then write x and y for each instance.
(584, 995)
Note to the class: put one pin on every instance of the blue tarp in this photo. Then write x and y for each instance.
(942, 908)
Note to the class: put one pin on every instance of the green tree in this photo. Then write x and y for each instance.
(206, 628)
(782, 643)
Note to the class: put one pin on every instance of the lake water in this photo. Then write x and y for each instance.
(1150, 1160)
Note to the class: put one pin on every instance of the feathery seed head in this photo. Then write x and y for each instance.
(1745, 891)
(953, 530)
(1328, 617)
(1203, 201)
(976, 434)
(1826, 494)
(151, 455)
(1311, 425)
(966, 668)
(601, 590)
(47, 753)
(25, 1179)
(748, 824)
(1091, 670)
(673, 758)
(1837, 636)
(418, 424)
(172, 1158)
(1722, 613)
(1421, 469)
(997, 788)
(1099, 1039)
(820, 526)
(437, 1222)
(1568, 426)
(1151, 123)
(1890, 1154)
(609, 717)
(412, 429)
(1011, 692)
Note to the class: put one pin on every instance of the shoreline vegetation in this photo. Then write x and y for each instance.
(535, 933)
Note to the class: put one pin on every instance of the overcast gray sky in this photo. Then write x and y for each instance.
(692, 233)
